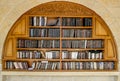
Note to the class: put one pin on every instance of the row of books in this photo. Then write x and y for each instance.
(77, 33)
(52, 54)
(39, 65)
(37, 32)
(38, 54)
(93, 54)
(45, 65)
(88, 66)
(16, 65)
(51, 32)
(29, 54)
(96, 43)
(44, 21)
(72, 21)
(55, 21)
(24, 43)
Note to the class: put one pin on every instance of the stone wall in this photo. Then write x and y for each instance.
(11, 10)
(57, 78)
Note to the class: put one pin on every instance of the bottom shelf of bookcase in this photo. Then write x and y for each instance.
(61, 73)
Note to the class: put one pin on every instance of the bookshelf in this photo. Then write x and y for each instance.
(60, 41)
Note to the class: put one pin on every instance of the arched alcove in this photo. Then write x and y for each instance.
(21, 28)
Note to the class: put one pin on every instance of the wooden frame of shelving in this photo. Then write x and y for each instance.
(20, 30)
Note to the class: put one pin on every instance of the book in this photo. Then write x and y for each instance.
(35, 21)
(53, 21)
(74, 55)
(16, 65)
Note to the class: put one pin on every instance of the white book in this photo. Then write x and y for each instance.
(16, 65)
(33, 65)
(45, 21)
(20, 53)
(34, 21)
(53, 64)
(37, 63)
(66, 67)
(63, 55)
(101, 65)
(41, 43)
(81, 65)
(40, 22)
(74, 55)
(89, 55)
(73, 65)
(91, 65)
(97, 55)
(100, 56)
(31, 56)
(93, 55)
(46, 66)
(85, 43)
(48, 54)
(20, 65)
(28, 54)
(95, 65)
(77, 65)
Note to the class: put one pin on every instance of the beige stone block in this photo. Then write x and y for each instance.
(111, 3)
(4, 10)
(58, 78)
(86, 3)
(28, 78)
(33, 78)
(9, 2)
(115, 11)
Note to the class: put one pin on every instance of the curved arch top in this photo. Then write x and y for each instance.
(61, 8)
(100, 35)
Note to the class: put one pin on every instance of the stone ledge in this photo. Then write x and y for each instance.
(62, 73)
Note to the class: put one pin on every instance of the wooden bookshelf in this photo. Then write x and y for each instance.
(52, 39)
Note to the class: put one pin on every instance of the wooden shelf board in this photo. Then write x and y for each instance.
(44, 27)
(78, 49)
(40, 38)
(77, 27)
(81, 38)
(87, 60)
(33, 59)
(69, 60)
(38, 49)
